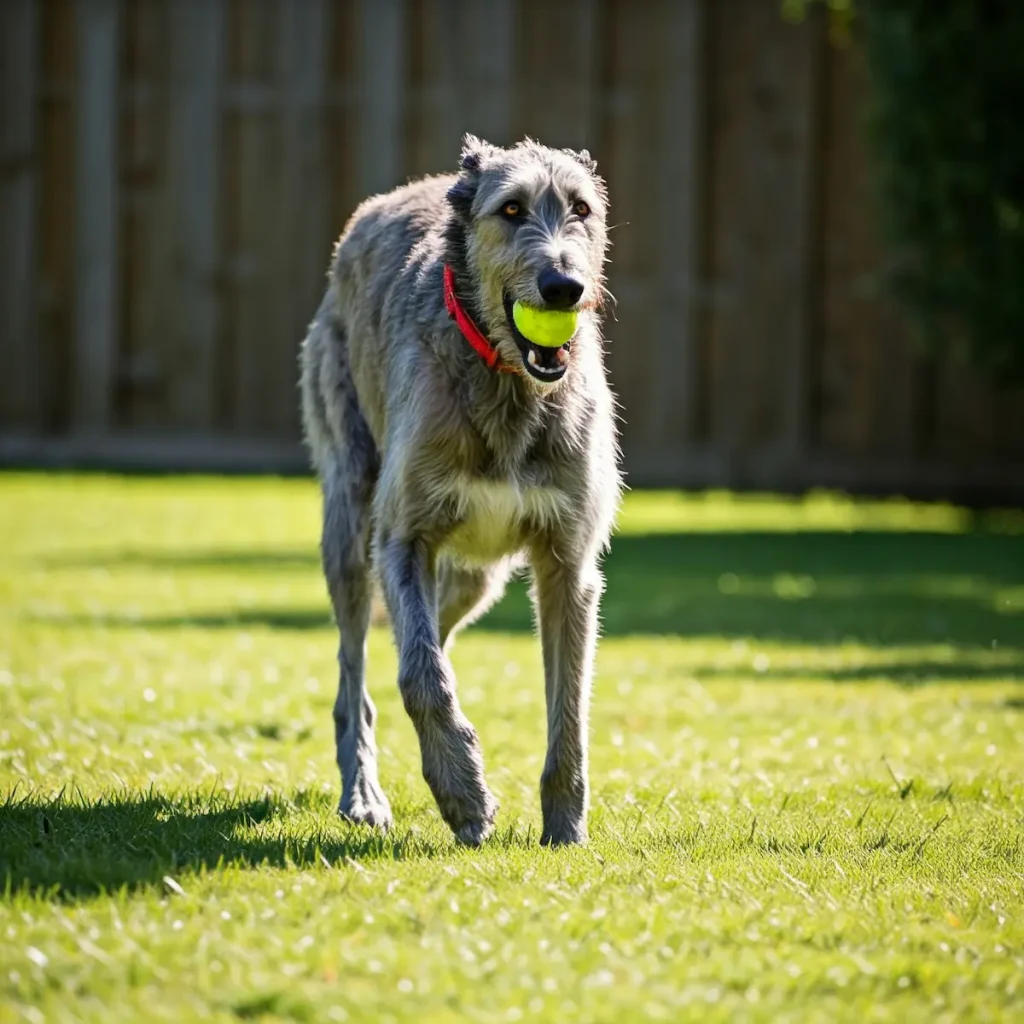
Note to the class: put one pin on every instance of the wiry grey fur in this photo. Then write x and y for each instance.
(441, 475)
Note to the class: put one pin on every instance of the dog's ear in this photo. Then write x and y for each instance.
(473, 152)
(582, 156)
(463, 192)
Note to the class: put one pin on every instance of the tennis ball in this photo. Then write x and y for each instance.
(549, 328)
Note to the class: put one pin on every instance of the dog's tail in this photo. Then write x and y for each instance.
(322, 350)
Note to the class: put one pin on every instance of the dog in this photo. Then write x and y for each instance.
(451, 451)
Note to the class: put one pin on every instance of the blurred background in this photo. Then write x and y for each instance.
(173, 175)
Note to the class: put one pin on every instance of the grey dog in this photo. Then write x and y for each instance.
(451, 451)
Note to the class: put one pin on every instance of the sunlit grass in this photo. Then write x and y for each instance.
(807, 761)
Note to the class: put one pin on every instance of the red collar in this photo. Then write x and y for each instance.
(483, 348)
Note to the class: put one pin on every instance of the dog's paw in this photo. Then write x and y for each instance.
(453, 767)
(565, 823)
(364, 803)
(466, 804)
(473, 833)
(564, 836)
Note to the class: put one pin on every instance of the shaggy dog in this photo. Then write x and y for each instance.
(450, 449)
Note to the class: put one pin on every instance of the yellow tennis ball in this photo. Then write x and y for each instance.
(549, 328)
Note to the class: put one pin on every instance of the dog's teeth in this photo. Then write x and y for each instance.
(531, 357)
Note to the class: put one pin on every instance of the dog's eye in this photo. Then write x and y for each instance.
(512, 210)
(580, 208)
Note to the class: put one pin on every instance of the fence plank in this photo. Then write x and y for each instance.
(482, 67)
(798, 395)
(56, 214)
(144, 105)
(342, 143)
(304, 255)
(762, 90)
(869, 377)
(180, 302)
(381, 93)
(555, 71)
(627, 79)
(19, 76)
(95, 330)
(431, 127)
(676, 373)
(256, 206)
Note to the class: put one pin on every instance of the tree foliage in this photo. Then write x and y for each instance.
(945, 115)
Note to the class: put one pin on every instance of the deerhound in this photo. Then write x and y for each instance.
(451, 451)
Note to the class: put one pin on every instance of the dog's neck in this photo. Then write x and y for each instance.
(457, 257)
(514, 411)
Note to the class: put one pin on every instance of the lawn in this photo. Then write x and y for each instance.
(807, 769)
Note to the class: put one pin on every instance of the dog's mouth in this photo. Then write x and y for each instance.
(542, 363)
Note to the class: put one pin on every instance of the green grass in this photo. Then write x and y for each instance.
(807, 765)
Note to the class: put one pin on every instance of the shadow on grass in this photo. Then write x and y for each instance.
(906, 673)
(271, 561)
(803, 587)
(241, 618)
(69, 847)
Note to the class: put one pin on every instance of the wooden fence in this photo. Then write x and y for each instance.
(172, 175)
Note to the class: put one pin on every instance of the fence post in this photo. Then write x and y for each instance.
(95, 246)
(381, 80)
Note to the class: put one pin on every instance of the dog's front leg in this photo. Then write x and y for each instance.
(567, 599)
(453, 765)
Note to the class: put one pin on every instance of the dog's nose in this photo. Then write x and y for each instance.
(559, 291)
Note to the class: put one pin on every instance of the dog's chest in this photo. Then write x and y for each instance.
(494, 516)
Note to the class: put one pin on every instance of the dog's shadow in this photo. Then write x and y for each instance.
(73, 846)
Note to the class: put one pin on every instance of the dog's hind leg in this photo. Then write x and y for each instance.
(465, 593)
(347, 463)
(345, 550)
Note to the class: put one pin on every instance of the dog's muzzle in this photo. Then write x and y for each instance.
(547, 365)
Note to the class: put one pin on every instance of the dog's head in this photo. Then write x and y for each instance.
(531, 224)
